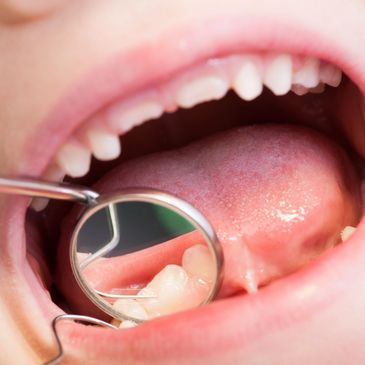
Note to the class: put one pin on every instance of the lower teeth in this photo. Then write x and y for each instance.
(176, 287)
(347, 232)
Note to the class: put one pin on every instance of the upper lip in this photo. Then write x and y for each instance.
(167, 54)
(152, 61)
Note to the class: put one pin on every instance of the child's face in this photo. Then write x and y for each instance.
(63, 63)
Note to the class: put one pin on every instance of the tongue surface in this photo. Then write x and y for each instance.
(276, 195)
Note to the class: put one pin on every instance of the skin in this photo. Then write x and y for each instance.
(45, 49)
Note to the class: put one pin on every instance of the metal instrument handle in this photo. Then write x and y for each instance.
(36, 188)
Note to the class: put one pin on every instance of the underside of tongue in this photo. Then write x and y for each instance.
(277, 195)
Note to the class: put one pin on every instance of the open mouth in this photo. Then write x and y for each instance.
(268, 145)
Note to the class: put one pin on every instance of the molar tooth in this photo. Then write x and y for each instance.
(130, 307)
(74, 158)
(330, 74)
(123, 117)
(128, 324)
(308, 73)
(200, 90)
(170, 288)
(104, 144)
(247, 82)
(198, 261)
(278, 74)
(347, 232)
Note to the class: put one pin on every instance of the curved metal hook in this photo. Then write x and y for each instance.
(113, 220)
(72, 317)
(114, 241)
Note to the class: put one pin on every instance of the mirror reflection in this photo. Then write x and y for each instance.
(145, 260)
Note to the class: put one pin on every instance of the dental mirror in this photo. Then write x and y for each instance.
(142, 253)
(139, 253)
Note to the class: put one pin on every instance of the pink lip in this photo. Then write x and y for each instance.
(151, 62)
(285, 305)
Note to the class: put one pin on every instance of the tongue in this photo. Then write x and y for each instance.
(277, 195)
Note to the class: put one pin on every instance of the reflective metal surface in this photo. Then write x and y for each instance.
(146, 232)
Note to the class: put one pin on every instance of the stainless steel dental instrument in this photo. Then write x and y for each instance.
(71, 317)
(42, 189)
(121, 241)
(167, 211)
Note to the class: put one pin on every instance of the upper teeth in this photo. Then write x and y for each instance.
(122, 117)
(104, 144)
(201, 89)
(308, 74)
(74, 158)
(246, 74)
(247, 81)
(278, 74)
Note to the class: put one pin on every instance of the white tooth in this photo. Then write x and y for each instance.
(198, 261)
(104, 144)
(131, 308)
(121, 118)
(299, 89)
(128, 324)
(200, 90)
(39, 204)
(347, 232)
(170, 288)
(74, 159)
(330, 74)
(247, 82)
(318, 89)
(308, 74)
(278, 74)
(251, 282)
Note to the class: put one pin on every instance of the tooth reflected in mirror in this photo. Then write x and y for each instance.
(139, 260)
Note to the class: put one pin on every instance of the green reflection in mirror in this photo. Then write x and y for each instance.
(142, 225)
(172, 222)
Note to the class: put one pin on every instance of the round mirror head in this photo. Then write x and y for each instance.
(142, 254)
